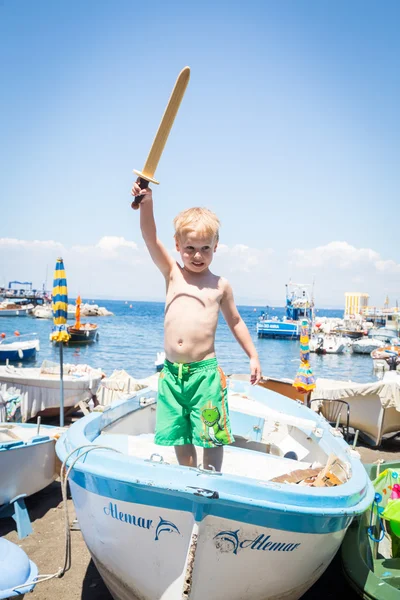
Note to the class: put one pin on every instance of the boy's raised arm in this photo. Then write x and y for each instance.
(157, 251)
(240, 331)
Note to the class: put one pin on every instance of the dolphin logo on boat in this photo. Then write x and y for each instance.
(228, 536)
(165, 526)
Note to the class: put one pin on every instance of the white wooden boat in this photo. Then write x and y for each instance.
(27, 459)
(159, 530)
(374, 406)
(40, 387)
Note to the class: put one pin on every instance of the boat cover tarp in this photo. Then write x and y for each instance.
(41, 391)
(387, 389)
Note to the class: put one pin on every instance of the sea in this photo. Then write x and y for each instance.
(131, 338)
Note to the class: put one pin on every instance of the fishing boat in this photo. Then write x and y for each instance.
(82, 333)
(299, 305)
(366, 553)
(27, 459)
(287, 493)
(18, 350)
(87, 333)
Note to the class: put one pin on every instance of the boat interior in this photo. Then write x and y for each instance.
(269, 445)
(14, 432)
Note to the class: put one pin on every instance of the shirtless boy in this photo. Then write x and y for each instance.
(192, 408)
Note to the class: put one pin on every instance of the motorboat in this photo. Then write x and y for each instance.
(328, 344)
(299, 306)
(386, 358)
(290, 487)
(366, 345)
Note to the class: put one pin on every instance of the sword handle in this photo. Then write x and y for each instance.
(143, 184)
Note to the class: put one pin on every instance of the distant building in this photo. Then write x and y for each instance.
(355, 303)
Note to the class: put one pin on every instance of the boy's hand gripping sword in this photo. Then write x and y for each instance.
(162, 134)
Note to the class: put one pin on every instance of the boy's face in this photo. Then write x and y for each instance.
(196, 250)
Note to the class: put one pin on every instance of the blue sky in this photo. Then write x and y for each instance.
(289, 131)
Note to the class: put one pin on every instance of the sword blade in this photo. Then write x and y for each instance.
(167, 121)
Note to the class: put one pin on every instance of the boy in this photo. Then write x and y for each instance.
(192, 404)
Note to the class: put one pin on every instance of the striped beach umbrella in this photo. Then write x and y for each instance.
(60, 311)
(60, 304)
(304, 381)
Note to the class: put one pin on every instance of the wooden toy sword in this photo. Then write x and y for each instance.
(162, 134)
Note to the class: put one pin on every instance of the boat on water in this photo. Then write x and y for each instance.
(328, 344)
(369, 563)
(377, 337)
(299, 306)
(288, 491)
(87, 333)
(386, 358)
(27, 459)
(18, 350)
(14, 309)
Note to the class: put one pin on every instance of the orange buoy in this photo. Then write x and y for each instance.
(3, 335)
(17, 333)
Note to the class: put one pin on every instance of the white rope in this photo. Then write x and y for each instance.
(64, 474)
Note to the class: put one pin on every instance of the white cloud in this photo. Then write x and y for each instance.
(32, 244)
(341, 254)
(116, 267)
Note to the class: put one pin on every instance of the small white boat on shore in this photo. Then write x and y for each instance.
(39, 387)
(288, 491)
(27, 459)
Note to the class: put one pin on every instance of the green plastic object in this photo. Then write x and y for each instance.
(368, 572)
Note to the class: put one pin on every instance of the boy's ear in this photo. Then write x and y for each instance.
(215, 246)
(177, 243)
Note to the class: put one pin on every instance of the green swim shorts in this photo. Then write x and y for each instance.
(192, 406)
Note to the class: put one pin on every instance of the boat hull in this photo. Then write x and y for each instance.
(18, 354)
(29, 467)
(278, 329)
(182, 552)
(159, 530)
(83, 336)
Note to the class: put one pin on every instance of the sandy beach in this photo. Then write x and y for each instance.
(45, 546)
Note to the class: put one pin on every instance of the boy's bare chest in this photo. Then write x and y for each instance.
(205, 292)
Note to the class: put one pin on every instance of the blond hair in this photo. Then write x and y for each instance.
(198, 219)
